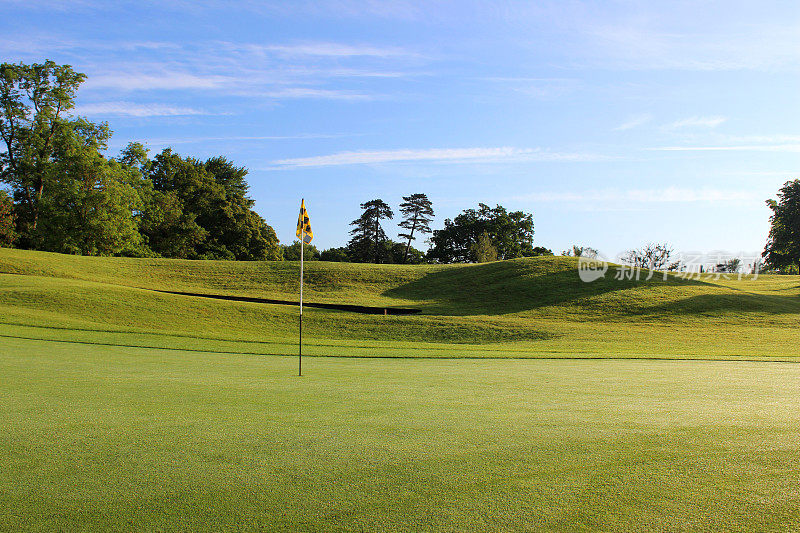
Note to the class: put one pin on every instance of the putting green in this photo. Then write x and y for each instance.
(102, 437)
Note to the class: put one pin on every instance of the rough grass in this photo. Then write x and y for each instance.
(529, 307)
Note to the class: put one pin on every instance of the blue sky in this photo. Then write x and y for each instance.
(615, 123)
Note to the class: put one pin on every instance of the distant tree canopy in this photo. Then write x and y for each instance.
(782, 252)
(391, 252)
(580, 251)
(368, 237)
(68, 197)
(510, 233)
(651, 257)
(338, 255)
(292, 252)
(200, 210)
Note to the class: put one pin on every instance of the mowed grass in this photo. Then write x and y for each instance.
(111, 438)
(522, 308)
(123, 408)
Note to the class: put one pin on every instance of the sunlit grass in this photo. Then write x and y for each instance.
(110, 438)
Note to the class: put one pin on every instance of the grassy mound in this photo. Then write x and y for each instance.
(534, 306)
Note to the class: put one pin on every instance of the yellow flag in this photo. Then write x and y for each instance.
(304, 225)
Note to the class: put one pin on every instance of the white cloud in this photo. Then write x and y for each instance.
(634, 122)
(697, 122)
(134, 110)
(449, 155)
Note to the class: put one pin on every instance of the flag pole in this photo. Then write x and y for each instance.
(300, 352)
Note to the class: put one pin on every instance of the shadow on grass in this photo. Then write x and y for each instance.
(714, 304)
(362, 309)
(521, 285)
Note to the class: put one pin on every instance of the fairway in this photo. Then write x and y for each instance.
(102, 437)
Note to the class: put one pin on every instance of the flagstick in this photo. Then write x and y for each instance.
(300, 353)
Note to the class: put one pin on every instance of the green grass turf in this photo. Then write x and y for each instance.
(112, 438)
(127, 409)
(522, 308)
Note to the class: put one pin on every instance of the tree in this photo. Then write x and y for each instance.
(292, 252)
(89, 208)
(541, 250)
(782, 252)
(417, 213)
(368, 235)
(651, 257)
(33, 101)
(7, 234)
(581, 251)
(339, 255)
(511, 233)
(200, 210)
(483, 250)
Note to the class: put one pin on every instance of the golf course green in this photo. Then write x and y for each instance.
(520, 398)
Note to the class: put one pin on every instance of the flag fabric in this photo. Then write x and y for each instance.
(304, 225)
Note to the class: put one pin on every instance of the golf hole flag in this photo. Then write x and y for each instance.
(304, 232)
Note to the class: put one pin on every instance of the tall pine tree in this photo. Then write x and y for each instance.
(368, 241)
(417, 215)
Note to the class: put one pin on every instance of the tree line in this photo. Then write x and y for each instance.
(67, 196)
(476, 235)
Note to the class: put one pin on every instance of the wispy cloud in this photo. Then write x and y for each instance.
(239, 138)
(448, 155)
(732, 148)
(134, 80)
(322, 94)
(665, 195)
(696, 122)
(634, 121)
(328, 49)
(644, 46)
(135, 110)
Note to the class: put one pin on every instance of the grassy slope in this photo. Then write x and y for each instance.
(522, 307)
(107, 438)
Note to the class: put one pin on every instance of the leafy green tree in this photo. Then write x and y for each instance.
(402, 253)
(483, 249)
(511, 233)
(339, 255)
(33, 102)
(88, 209)
(7, 234)
(200, 210)
(368, 236)
(782, 252)
(541, 250)
(292, 252)
(417, 213)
